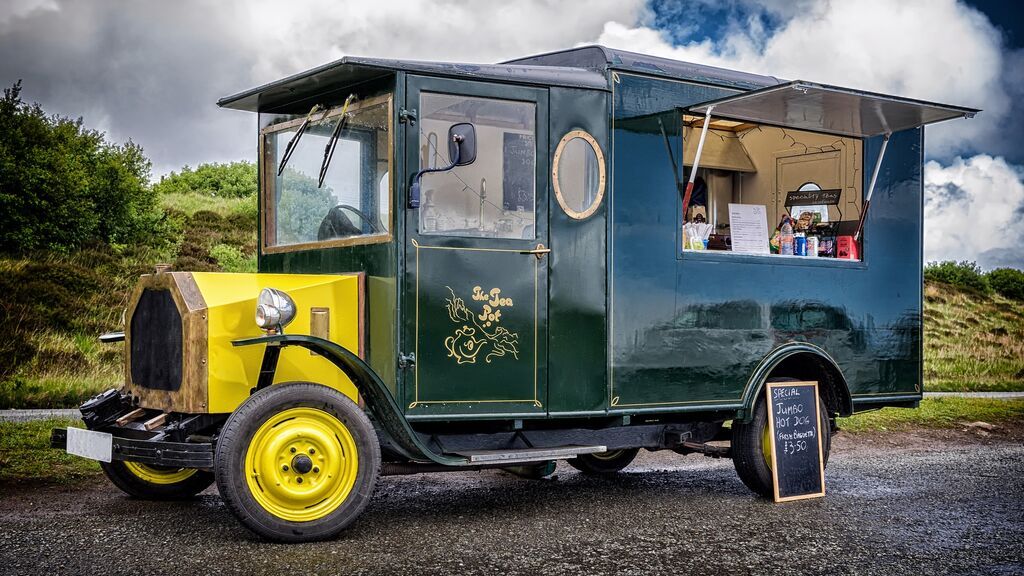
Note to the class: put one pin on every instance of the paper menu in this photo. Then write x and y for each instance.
(748, 226)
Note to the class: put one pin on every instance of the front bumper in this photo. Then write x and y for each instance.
(172, 444)
(150, 451)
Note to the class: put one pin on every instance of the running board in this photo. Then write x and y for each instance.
(527, 454)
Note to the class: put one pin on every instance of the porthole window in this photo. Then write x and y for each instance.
(578, 174)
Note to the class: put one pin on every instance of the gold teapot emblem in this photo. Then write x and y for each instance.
(480, 333)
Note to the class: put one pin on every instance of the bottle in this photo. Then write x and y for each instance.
(786, 237)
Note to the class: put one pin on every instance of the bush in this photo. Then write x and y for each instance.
(190, 264)
(245, 215)
(63, 186)
(1007, 281)
(231, 259)
(234, 180)
(964, 275)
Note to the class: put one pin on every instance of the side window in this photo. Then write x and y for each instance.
(578, 174)
(754, 179)
(495, 196)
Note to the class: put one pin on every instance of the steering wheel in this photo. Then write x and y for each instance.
(337, 224)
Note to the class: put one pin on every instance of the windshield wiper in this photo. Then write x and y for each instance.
(295, 139)
(333, 141)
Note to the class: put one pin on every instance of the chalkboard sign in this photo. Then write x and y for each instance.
(519, 174)
(813, 197)
(798, 470)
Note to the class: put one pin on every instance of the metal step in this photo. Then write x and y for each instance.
(527, 454)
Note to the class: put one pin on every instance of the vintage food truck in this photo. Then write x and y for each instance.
(566, 256)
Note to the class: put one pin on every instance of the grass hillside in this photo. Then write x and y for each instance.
(60, 303)
(972, 340)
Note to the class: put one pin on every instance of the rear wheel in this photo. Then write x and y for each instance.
(605, 462)
(156, 482)
(751, 450)
(297, 462)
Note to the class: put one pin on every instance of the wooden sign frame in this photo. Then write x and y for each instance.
(771, 440)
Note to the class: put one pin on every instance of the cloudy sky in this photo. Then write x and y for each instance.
(151, 71)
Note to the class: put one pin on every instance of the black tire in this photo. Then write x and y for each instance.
(156, 482)
(245, 422)
(748, 444)
(604, 463)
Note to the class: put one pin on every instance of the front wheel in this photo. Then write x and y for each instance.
(297, 462)
(156, 482)
(751, 451)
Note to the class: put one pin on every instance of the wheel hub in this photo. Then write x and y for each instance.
(302, 464)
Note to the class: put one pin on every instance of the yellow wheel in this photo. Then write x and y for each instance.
(301, 464)
(297, 462)
(603, 463)
(156, 482)
(160, 474)
(766, 446)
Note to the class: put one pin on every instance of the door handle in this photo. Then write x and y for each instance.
(539, 251)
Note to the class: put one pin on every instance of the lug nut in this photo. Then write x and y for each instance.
(299, 480)
(293, 449)
(285, 467)
(312, 451)
(316, 469)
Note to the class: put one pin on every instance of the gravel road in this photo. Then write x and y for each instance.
(935, 503)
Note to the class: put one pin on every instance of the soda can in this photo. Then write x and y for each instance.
(800, 246)
(812, 246)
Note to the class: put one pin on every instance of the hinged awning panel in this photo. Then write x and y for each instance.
(830, 109)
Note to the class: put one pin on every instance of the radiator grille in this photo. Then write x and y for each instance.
(155, 335)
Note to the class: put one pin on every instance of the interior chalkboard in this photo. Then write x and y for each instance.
(519, 174)
(813, 197)
(798, 469)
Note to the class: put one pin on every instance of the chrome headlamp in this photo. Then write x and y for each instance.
(274, 309)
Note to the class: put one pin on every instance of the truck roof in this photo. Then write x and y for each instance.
(596, 57)
(583, 67)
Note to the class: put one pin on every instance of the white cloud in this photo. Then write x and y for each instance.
(463, 31)
(11, 10)
(974, 210)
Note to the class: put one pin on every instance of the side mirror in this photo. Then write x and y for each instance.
(462, 144)
(461, 150)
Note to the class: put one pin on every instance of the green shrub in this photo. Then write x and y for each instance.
(190, 264)
(63, 186)
(234, 180)
(245, 215)
(190, 249)
(231, 259)
(964, 275)
(1007, 281)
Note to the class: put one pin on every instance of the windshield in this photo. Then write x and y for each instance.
(353, 204)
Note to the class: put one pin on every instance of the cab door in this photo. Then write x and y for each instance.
(474, 312)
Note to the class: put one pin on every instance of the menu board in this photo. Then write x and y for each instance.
(519, 174)
(748, 226)
(798, 469)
